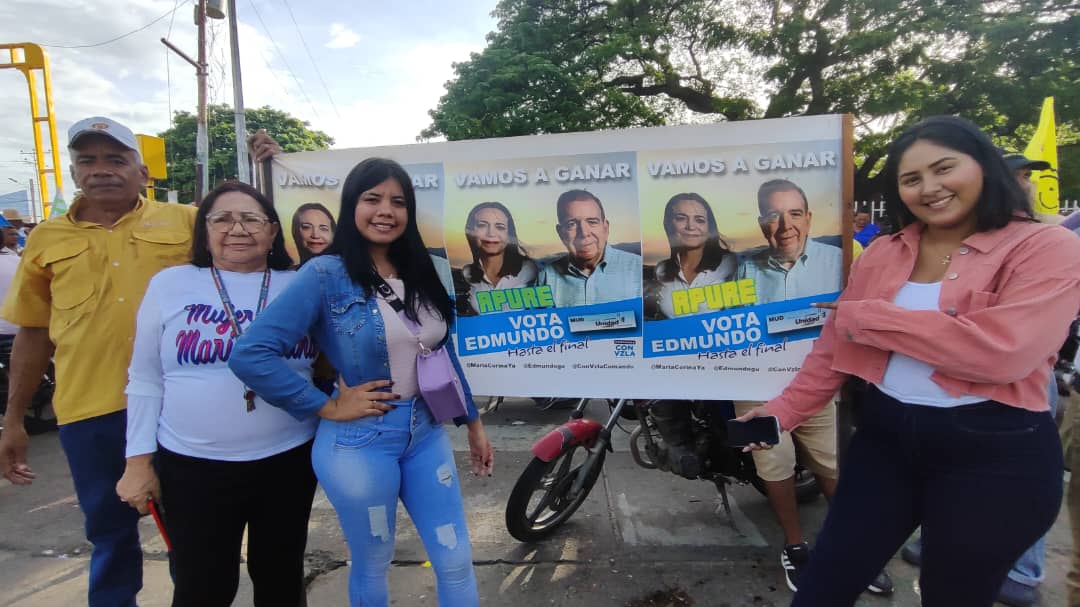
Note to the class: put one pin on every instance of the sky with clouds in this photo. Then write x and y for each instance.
(380, 66)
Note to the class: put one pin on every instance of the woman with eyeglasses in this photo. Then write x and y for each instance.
(226, 459)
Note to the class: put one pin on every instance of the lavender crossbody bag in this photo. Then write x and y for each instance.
(439, 382)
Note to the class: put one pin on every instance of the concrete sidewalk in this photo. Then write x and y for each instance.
(642, 538)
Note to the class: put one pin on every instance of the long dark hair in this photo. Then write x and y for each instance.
(1001, 198)
(298, 238)
(277, 259)
(715, 247)
(513, 257)
(408, 253)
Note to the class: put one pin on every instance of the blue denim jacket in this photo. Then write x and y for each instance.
(322, 301)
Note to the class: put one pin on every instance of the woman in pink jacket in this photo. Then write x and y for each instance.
(953, 323)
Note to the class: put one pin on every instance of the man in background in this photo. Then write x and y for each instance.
(865, 230)
(10, 244)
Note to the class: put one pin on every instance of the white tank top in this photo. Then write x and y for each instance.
(907, 379)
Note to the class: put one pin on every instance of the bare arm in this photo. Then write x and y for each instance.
(29, 358)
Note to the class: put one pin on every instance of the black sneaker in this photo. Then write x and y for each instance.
(912, 552)
(794, 558)
(882, 584)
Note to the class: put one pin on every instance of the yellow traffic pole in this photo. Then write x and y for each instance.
(28, 57)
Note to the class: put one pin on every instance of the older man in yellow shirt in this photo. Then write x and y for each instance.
(77, 290)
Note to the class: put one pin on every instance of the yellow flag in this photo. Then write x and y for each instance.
(1043, 146)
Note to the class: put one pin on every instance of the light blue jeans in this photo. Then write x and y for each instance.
(365, 466)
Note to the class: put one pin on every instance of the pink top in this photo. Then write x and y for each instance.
(1006, 302)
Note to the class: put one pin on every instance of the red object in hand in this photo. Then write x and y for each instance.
(160, 525)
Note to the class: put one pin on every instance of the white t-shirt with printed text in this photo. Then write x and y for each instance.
(180, 390)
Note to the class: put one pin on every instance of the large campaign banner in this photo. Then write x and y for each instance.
(670, 262)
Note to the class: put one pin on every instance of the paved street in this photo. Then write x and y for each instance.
(640, 535)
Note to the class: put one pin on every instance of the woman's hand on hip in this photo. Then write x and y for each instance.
(354, 402)
(139, 484)
(481, 453)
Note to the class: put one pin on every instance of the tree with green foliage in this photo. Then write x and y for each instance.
(293, 134)
(557, 66)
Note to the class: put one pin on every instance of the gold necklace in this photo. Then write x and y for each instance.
(945, 259)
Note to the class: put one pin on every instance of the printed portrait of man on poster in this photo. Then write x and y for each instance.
(618, 264)
(738, 242)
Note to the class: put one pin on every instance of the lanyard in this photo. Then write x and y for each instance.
(249, 394)
(227, 303)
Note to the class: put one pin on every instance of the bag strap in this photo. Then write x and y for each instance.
(387, 293)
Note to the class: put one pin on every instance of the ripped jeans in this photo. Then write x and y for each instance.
(365, 466)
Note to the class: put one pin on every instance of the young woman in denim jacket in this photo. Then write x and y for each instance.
(954, 322)
(374, 445)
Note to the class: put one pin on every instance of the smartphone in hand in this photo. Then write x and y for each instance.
(757, 430)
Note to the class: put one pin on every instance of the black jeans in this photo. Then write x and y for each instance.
(208, 503)
(983, 480)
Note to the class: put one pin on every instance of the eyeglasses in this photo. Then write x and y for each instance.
(223, 222)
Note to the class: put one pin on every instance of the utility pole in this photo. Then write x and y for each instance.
(202, 143)
(33, 202)
(243, 167)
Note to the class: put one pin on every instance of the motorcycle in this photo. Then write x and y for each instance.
(568, 460)
(39, 417)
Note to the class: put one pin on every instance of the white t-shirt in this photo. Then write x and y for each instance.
(907, 379)
(524, 278)
(181, 392)
(9, 262)
(672, 279)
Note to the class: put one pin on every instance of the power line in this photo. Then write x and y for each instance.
(215, 63)
(283, 59)
(273, 73)
(168, 57)
(120, 37)
(176, 6)
(312, 59)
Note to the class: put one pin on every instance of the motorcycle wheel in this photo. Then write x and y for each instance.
(539, 503)
(806, 487)
(40, 417)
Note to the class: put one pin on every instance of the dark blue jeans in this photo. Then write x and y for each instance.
(983, 480)
(95, 453)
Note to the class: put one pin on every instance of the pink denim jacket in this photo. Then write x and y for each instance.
(1006, 302)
